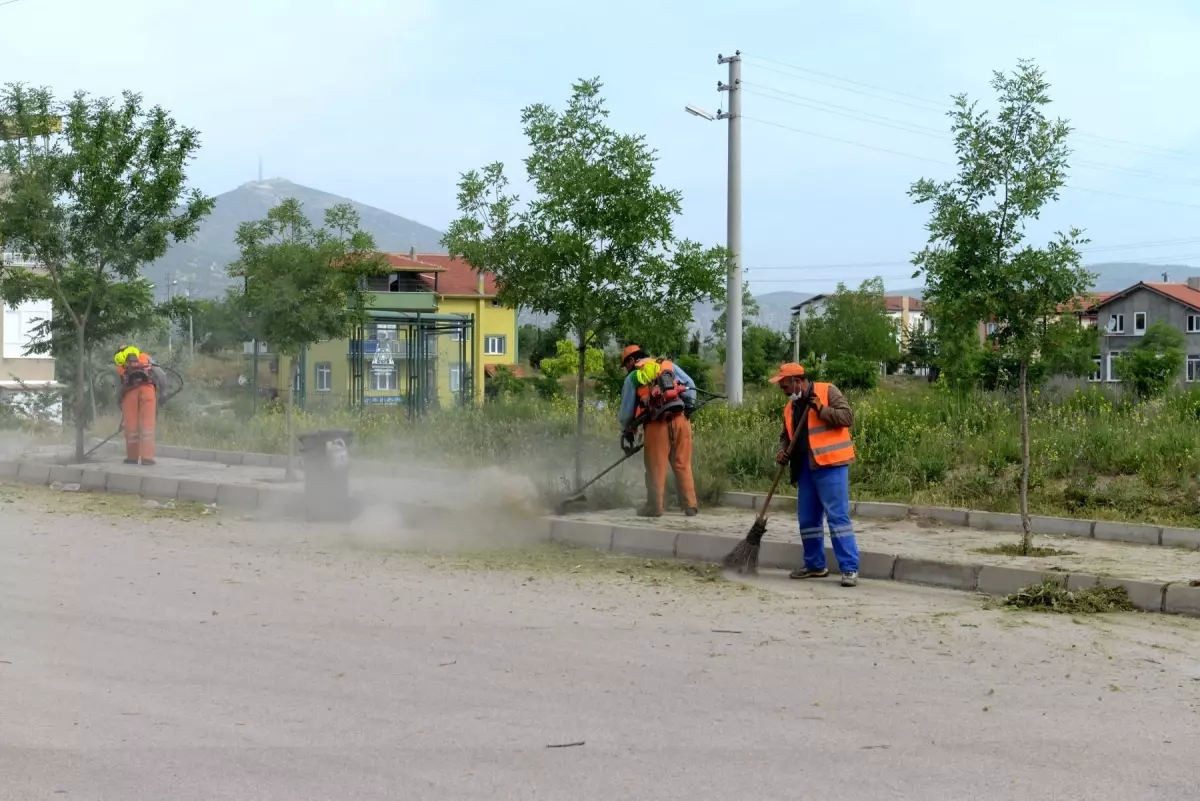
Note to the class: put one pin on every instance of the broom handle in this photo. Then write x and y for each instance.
(762, 515)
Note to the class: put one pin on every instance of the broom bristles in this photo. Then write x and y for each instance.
(744, 557)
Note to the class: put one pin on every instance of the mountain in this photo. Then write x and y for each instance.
(1112, 276)
(203, 259)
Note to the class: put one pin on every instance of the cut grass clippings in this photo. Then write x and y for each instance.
(1053, 596)
(1014, 549)
(28, 497)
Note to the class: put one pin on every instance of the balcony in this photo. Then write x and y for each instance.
(403, 301)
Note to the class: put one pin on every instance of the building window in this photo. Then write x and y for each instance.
(20, 327)
(1193, 324)
(324, 376)
(1139, 323)
(456, 376)
(495, 303)
(383, 379)
(1116, 324)
(1096, 370)
(458, 333)
(1113, 358)
(494, 345)
(1193, 368)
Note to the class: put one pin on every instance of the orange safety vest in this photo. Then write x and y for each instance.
(673, 402)
(143, 367)
(830, 446)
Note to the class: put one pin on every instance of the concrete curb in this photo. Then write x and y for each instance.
(963, 518)
(228, 496)
(994, 580)
(1111, 531)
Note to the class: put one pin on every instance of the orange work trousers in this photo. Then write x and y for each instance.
(138, 409)
(668, 443)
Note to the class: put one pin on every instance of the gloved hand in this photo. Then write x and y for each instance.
(781, 457)
(627, 437)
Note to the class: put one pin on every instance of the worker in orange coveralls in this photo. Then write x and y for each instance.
(139, 403)
(660, 396)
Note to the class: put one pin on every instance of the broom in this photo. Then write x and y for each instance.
(744, 557)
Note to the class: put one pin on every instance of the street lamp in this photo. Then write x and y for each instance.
(733, 281)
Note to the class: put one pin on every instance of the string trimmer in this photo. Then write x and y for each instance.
(121, 426)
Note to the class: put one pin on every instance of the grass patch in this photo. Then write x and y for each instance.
(1053, 596)
(46, 501)
(1014, 549)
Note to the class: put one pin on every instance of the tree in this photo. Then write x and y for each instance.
(596, 244)
(91, 205)
(763, 350)
(976, 263)
(750, 312)
(853, 323)
(568, 358)
(302, 284)
(1155, 363)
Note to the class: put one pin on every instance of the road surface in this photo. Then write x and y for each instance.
(147, 656)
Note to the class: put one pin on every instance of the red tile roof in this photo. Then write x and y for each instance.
(895, 303)
(1085, 303)
(406, 263)
(1181, 293)
(459, 277)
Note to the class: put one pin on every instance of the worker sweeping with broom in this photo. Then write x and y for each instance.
(141, 381)
(816, 430)
(660, 397)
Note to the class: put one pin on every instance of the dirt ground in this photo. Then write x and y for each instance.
(164, 653)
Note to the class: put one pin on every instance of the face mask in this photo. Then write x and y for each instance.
(795, 396)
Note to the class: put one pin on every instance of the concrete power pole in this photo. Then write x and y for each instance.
(733, 284)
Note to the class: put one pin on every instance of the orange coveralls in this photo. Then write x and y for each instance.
(668, 444)
(139, 405)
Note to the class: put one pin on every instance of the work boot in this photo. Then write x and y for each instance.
(850, 579)
(148, 463)
(131, 461)
(808, 573)
(646, 511)
(691, 511)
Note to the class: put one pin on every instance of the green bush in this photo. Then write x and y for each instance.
(850, 373)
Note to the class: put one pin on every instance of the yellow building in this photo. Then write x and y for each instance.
(435, 327)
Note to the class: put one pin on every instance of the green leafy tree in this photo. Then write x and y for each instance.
(853, 323)
(567, 360)
(763, 350)
(1069, 347)
(302, 284)
(91, 204)
(1155, 363)
(658, 336)
(977, 263)
(595, 245)
(750, 312)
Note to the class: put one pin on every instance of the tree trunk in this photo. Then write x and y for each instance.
(289, 474)
(579, 390)
(1026, 527)
(91, 385)
(80, 388)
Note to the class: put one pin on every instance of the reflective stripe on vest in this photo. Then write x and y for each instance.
(829, 445)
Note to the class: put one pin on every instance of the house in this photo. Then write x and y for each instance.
(907, 312)
(435, 326)
(25, 378)
(1123, 316)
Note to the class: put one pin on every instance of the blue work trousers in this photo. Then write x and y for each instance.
(824, 494)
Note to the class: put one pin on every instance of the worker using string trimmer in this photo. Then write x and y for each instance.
(141, 381)
(820, 470)
(660, 397)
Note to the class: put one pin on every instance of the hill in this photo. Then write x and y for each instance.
(203, 259)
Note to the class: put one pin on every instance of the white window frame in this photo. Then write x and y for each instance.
(1098, 374)
(1139, 316)
(458, 334)
(488, 340)
(1192, 373)
(1113, 357)
(1116, 324)
(456, 377)
(18, 324)
(384, 380)
(1193, 324)
(323, 376)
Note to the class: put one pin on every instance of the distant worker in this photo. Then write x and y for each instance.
(820, 470)
(141, 380)
(659, 396)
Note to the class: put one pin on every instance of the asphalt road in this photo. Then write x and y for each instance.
(190, 660)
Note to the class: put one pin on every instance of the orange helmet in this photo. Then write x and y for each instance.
(630, 350)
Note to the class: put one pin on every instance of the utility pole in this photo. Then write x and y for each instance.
(733, 282)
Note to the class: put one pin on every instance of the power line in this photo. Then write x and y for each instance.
(1101, 140)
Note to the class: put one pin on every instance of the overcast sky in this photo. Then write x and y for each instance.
(388, 102)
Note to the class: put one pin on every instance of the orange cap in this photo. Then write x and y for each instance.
(789, 370)
(630, 350)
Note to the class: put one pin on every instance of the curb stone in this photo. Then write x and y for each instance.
(994, 580)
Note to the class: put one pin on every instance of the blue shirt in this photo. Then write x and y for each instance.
(629, 395)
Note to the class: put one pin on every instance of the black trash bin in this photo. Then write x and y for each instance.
(327, 474)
